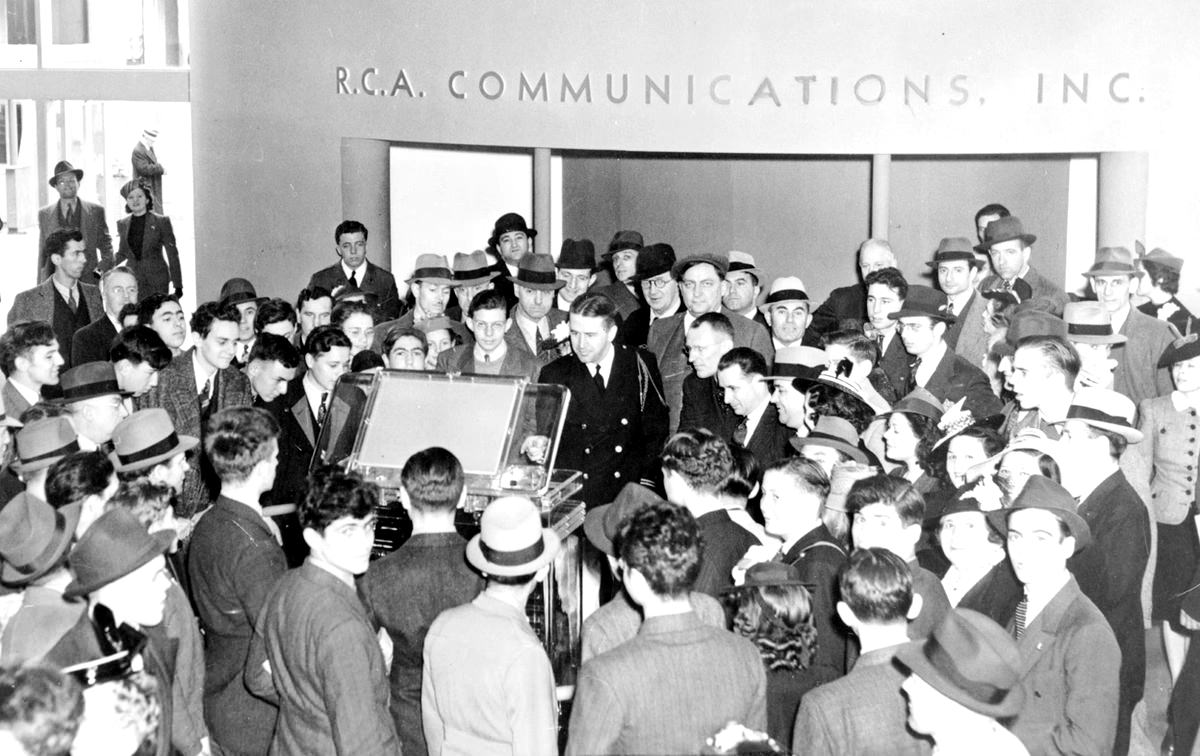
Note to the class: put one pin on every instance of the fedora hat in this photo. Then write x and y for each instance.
(1033, 322)
(971, 660)
(797, 362)
(146, 438)
(625, 240)
(1002, 230)
(744, 262)
(1114, 261)
(509, 222)
(511, 539)
(1089, 323)
(34, 537)
(472, 268)
(1106, 410)
(835, 433)
(1042, 493)
(785, 289)
(654, 260)
(954, 249)
(1181, 349)
(602, 523)
(926, 302)
(238, 290)
(720, 262)
(536, 271)
(44, 442)
(1160, 256)
(88, 381)
(917, 402)
(115, 545)
(432, 269)
(577, 255)
(61, 168)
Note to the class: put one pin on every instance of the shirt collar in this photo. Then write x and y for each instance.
(606, 363)
(1042, 595)
(32, 396)
(755, 417)
(312, 392)
(360, 270)
(203, 370)
(496, 355)
(66, 291)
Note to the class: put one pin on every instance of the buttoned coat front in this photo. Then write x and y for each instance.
(154, 274)
(1167, 461)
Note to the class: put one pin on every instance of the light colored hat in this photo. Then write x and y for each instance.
(785, 289)
(744, 262)
(473, 268)
(146, 438)
(511, 539)
(1107, 410)
(836, 433)
(1114, 261)
(432, 269)
(1089, 323)
(44, 442)
(797, 362)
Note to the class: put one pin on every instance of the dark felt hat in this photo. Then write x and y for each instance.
(44, 442)
(34, 537)
(1002, 230)
(115, 545)
(625, 240)
(1114, 261)
(88, 381)
(1034, 322)
(768, 574)
(720, 262)
(536, 271)
(917, 402)
(654, 260)
(1180, 350)
(146, 438)
(238, 290)
(953, 249)
(602, 523)
(971, 660)
(510, 222)
(577, 254)
(63, 167)
(1042, 493)
(1162, 257)
(923, 301)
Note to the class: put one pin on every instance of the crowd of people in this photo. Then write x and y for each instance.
(910, 519)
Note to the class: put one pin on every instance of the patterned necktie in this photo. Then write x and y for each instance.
(598, 379)
(206, 396)
(323, 409)
(739, 435)
(1019, 618)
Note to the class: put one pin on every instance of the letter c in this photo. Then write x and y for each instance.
(454, 91)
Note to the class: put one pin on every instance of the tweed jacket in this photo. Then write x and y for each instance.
(844, 303)
(613, 437)
(326, 669)
(375, 280)
(154, 274)
(819, 556)
(704, 407)
(97, 242)
(955, 378)
(1069, 670)
(666, 343)
(618, 621)
(1043, 288)
(966, 336)
(233, 563)
(487, 688)
(516, 343)
(636, 328)
(832, 720)
(38, 304)
(461, 359)
(667, 690)
(176, 393)
(1165, 462)
(1137, 375)
(91, 343)
(146, 166)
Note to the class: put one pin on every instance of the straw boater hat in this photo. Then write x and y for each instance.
(1114, 261)
(577, 254)
(954, 249)
(836, 433)
(511, 539)
(115, 545)
(654, 260)
(432, 269)
(1180, 350)
(720, 262)
(602, 523)
(744, 262)
(797, 362)
(44, 442)
(971, 660)
(1089, 323)
(238, 290)
(623, 240)
(1042, 493)
(536, 271)
(784, 289)
(34, 537)
(88, 381)
(472, 268)
(1106, 410)
(62, 168)
(924, 302)
(146, 438)
(1002, 230)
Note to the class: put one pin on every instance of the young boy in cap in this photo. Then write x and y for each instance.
(406, 590)
(678, 681)
(487, 686)
(1070, 661)
(314, 651)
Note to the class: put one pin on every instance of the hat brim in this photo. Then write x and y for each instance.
(186, 444)
(856, 454)
(904, 313)
(1102, 271)
(10, 575)
(77, 171)
(40, 464)
(1114, 339)
(986, 247)
(237, 299)
(1131, 435)
(488, 276)
(593, 528)
(766, 306)
(681, 266)
(540, 286)
(159, 543)
(434, 280)
(1189, 348)
(1080, 531)
(912, 655)
(550, 547)
(974, 261)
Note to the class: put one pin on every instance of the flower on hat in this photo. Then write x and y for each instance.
(954, 418)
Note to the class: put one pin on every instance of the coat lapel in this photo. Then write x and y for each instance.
(303, 415)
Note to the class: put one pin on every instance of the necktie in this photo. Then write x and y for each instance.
(70, 217)
(1019, 618)
(206, 396)
(739, 435)
(598, 379)
(72, 302)
(1008, 285)
(912, 374)
(354, 278)
(324, 408)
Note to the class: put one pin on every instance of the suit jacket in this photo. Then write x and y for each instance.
(146, 166)
(327, 672)
(955, 378)
(666, 342)
(461, 359)
(38, 304)
(724, 544)
(297, 441)
(636, 328)
(831, 720)
(154, 275)
(895, 363)
(97, 243)
(613, 437)
(233, 563)
(934, 604)
(844, 303)
(1137, 375)
(1043, 288)
(769, 442)
(626, 301)
(176, 393)
(996, 595)
(704, 407)
(15, 402)
(375, 280)
(667, 690)
(92, 342)
(1069, 670)
(618, 621)
(515, 340)
(819, 556)
(967, 336)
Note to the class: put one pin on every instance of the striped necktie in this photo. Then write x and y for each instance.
(1019, 618)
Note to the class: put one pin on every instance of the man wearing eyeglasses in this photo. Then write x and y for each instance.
(702, 286)
(659, 289)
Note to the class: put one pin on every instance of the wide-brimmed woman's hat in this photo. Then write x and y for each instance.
(511, 539)
(919, 401)
(1180, 350)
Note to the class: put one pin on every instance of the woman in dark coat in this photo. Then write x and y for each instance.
(145, 236)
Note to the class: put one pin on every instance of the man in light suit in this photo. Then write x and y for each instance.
(701, 285)
(63, 300)
(146, 166)
(118, 287)
(70, 213)
(488, 318)
(1009, 248)
(356, 271)
(197, 384)
(958, 271)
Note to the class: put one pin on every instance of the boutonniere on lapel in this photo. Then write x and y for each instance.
(559, 340)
